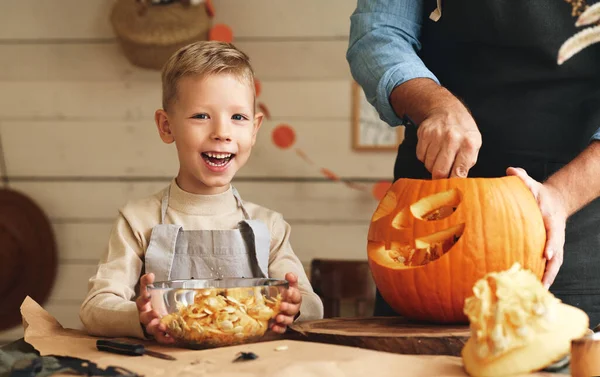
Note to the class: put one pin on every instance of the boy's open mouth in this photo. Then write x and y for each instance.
(217, 158)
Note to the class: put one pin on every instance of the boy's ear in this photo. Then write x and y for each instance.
(164, 127)
(258, 118)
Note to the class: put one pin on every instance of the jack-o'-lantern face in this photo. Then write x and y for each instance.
(431, 240)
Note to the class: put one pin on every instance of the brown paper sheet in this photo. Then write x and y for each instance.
(300, 359)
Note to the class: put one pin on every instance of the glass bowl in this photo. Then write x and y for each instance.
(208, 313)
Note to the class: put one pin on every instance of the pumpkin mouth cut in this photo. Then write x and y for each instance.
(428, 248)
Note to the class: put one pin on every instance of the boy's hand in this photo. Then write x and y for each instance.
(148, 317)
(290, 305)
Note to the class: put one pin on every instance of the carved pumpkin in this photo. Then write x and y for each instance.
(430, 240)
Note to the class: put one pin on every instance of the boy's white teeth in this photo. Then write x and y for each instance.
(217, 159)
(218, 155)
(219, 164)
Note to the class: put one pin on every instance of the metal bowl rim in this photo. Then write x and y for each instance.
(166, 284)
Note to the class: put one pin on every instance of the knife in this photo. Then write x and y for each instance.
(130, 349)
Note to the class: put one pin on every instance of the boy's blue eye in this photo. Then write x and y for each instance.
(238, 117)
(200, 116)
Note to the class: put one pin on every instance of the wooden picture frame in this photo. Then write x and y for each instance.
(369, 132)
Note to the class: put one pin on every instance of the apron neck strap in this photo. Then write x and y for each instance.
(165, 204)
(240, 203)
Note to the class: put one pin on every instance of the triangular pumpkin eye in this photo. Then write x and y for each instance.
(431, 208)
(437, 206)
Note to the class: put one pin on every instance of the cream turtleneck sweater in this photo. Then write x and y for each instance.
(109, 308)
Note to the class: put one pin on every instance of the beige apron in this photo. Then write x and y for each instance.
(174, 253)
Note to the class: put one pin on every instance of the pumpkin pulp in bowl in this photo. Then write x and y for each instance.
(206, 313)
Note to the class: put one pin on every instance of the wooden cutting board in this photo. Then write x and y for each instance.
(389, 334)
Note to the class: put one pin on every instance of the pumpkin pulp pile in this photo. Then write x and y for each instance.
(430, 240)
(517, 326)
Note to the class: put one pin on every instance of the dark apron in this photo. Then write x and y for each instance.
(499, 57)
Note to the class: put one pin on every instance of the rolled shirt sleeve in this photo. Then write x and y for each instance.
(382, 50)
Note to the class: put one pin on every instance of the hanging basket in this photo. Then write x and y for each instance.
(150, 34)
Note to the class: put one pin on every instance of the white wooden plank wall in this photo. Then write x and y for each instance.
(77, 131)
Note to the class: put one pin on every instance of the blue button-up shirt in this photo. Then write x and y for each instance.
(382, 51)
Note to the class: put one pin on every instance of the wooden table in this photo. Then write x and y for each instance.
(345, 347)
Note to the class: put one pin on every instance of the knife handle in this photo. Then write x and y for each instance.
(120, 347)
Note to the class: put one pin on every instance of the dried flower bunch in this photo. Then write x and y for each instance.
(587, 15)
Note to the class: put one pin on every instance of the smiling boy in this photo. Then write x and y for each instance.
(198, 226)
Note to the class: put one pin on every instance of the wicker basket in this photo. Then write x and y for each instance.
(150, 34)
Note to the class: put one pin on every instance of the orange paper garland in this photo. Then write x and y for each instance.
(257, 87)
(329, 174)
(220, 32)
(210, 8)
(283, 136)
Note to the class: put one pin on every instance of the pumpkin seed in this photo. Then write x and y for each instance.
(233, 301)
(198, 315)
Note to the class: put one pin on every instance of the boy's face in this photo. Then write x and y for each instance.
(213, 125)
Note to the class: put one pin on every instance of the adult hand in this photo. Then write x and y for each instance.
(448, 141)
(554, 213)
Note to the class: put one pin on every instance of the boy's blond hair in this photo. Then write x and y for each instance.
(203, 58)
